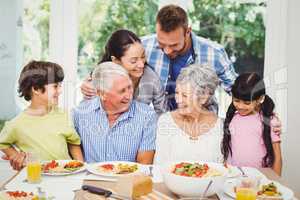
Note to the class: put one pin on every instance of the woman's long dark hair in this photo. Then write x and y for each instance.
(118, 43)
(249, 87)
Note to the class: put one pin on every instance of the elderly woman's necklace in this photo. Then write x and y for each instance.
(194, 137)
(191, 129)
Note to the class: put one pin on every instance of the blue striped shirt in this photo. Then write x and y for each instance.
(134, 131)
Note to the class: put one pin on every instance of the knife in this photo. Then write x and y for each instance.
(103, 192)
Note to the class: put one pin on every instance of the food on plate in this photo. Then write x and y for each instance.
(73, 165)
(134, 185)
(195, 170)
(56, 167)
(49, 166)
(107, 167)
(269, 190)
(120, 168)
(126, 168)
(17, 195)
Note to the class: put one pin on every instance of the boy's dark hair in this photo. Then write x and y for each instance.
(118, 43)
(37, 74)
(249, 87)
(171, 17)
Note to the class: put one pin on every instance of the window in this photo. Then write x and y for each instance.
(236, 24)
(99, 18)
(36, 30)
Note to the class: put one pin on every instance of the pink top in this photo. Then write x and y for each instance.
(247, 143)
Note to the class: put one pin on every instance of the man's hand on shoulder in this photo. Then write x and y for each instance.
(276, 125)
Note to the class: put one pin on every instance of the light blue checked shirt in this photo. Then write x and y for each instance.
(134, 131)
(205, 52)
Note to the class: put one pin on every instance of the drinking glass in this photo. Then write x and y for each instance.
(34, 168)
(247, 188)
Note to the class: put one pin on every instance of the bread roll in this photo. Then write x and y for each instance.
(134, 185)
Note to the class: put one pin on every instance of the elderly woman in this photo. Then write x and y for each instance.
(191, 132)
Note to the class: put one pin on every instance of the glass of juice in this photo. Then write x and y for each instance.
(34, 168)
(245, 194)
(247, 188)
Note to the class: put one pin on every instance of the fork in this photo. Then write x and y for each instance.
(2, 188)
(206, 189)
(242, 171)
(150, 171)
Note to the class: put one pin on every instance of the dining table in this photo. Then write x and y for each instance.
(69, 186)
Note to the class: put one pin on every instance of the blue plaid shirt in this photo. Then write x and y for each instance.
(134, 131)
(205, 52)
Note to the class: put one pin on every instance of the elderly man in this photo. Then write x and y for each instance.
(112, 126)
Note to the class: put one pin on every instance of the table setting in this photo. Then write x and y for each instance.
(113, 180)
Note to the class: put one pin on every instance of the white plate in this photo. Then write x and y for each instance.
(229, 185)
(63, 162)
(93, 168)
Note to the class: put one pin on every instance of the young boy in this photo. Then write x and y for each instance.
(42, 128)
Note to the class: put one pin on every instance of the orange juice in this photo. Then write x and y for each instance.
(34, 172)
(245, 194)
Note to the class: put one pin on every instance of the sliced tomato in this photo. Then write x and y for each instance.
(179, 165)
(108, 166)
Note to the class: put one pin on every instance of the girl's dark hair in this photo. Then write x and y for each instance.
(37, 74)
(249, 87)
(118, 43)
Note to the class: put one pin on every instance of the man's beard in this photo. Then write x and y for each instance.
(179, 52)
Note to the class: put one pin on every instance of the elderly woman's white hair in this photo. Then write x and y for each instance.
(203, 79)
(103, 75)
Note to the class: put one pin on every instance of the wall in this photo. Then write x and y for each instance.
(10, 54)
(63, 46)
(282, 69)
(292, 145)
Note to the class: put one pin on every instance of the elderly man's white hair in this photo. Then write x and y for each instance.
(203, 78)
(104, 74)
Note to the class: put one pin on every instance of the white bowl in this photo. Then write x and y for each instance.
(194, 186)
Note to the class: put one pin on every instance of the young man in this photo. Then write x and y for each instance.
(41, 129)
(112, 126)
(175, 46)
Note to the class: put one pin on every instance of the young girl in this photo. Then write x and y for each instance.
(248, 139)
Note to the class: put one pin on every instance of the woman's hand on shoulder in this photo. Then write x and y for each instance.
(87, 88)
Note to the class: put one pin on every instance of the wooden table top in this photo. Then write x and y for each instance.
(160, 190)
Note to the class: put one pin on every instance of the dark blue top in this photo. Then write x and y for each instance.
(176, 65)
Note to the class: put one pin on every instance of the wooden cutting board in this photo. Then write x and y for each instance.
(85, 195)
(160, 192)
